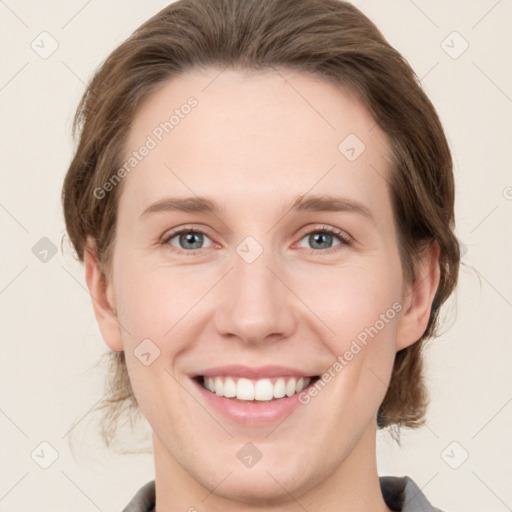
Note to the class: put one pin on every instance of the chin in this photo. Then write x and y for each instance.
(260, 488)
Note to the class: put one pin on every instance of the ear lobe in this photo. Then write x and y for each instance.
(418, 300)
(102, 298)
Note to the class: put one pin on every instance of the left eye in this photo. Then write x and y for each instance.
(323, 239)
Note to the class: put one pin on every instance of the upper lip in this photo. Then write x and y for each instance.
(253, 372)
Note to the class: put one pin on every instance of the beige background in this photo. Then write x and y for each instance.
(49, 340)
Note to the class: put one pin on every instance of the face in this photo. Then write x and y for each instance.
(287, 272)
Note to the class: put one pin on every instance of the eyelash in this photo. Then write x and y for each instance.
(342, 237)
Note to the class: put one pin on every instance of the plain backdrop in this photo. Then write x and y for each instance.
(462, 458)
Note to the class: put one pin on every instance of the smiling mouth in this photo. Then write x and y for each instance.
(255, 390)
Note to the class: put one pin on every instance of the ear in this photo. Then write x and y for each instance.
(102, 298)
(418, 298)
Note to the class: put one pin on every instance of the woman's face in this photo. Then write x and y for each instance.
(255, 294)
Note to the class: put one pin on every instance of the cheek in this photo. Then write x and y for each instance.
(361, 306)
(350, 298)
(155, 302)
(157, 311)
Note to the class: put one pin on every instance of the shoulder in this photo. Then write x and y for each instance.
(402, 494)
(144, 500)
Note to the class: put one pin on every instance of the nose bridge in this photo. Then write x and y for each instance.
(255, 304)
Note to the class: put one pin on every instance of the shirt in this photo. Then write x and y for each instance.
(401, 494)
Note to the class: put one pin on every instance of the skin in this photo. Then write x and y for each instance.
(253, 144)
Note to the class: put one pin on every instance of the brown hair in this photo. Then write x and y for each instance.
(330, 39)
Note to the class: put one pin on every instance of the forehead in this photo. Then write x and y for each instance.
(253, 135)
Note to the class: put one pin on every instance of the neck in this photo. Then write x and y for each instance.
(353, 486)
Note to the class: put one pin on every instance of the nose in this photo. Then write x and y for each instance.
(255, 303)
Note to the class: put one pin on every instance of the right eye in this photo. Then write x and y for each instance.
(187, 239)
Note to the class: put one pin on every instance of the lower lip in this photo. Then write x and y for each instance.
(251, 412)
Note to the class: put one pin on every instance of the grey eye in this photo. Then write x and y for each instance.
(189, 240)
(321, 240)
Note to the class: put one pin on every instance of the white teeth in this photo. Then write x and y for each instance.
(244, 389)
(291, 387)
(219, 386)
(261, 390)
(229, 388)
(279, 388)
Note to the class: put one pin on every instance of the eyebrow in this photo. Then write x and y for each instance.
(311, 203)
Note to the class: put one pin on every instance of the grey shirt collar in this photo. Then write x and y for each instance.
(401, 494)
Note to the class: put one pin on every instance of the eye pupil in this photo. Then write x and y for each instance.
(189, 238)
(319, 238)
